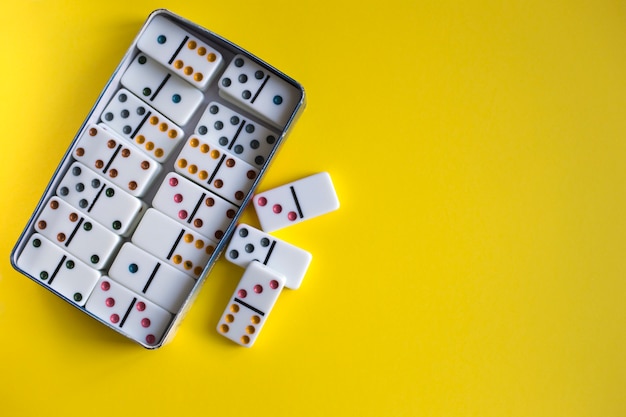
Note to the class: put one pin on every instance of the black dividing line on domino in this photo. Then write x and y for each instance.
(195, 209)
(269, 253)
(140, 125)
(69, 239)
(130, 307)
(93, 203)
(236, 136)
(180, 236)
(106, 168)
(152, 275)
(217, 168)
(295, 199)
(57, 269)
(158, 90)
(178, 50)
(243, 303)
(267, 77)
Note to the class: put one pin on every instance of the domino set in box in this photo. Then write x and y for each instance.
(152, 187)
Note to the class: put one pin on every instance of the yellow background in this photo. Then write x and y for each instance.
(475, 268)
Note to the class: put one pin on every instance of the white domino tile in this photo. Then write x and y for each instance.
(107, 154)
(235, 133)
(57, 269)
(163, 90)
(77, 233)
(95, 196)
(169, 241)
(253, 300)
(250, 244)
(150, 277)
(296, 202)
(249, 85)
(133, 315)
(143, 126)
(180, 51)
(215, 169)
(194, 206)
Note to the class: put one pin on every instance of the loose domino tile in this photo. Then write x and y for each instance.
(166, 239)
(230, 130)
(295, 202)
(251, 303)
(93, 195)
(148, 129)
(146, 275)
(57, 269)
(134, 315)
(80, 235)
(104, 152)
(135, 152)
(215, 169)
(194, 207)
(249, 244)
(166, 92)
(181, 52)
(247, 84)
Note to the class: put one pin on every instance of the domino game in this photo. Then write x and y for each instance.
(153, 184)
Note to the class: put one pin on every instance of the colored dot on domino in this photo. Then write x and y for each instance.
(277, 208)
(94, 259)
(161, 39)
(278, 100)
(133, 268)
(145, 322)
(140, 306)
(258, 289)
(234, 308)
(43, 275)
(150, 339)
(250, 329)
(292, 215)
(110, 302)
(110, 192)
(249, 248)
(69, 264)
(147, 92)
(78, 297)
(178, 198)
(182, 214)
(233, 254)
(114, 318)
(273, 284)
(229, 318)
(142, 59)
(178, 64)
(117, 225)
(242, 293)
(259, 74)
(243, 232)
(255, 319)
(239, 62)
(36, 243)
(105, 286)
(261, 201)
(224, 328)
(176, 98)
(245, 339)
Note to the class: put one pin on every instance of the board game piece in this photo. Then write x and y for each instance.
(143, 126)
(194, 206)
(251, 304)
(166, 92)
(295, 202)
(166, 239)
(249, 244)
(104, 152)
(233, 132)
(180, 51)
(146, 275)
(105, 202)
(247, 84)
(135, 316)
(77, 233)
(215, 169)
(56, 268)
